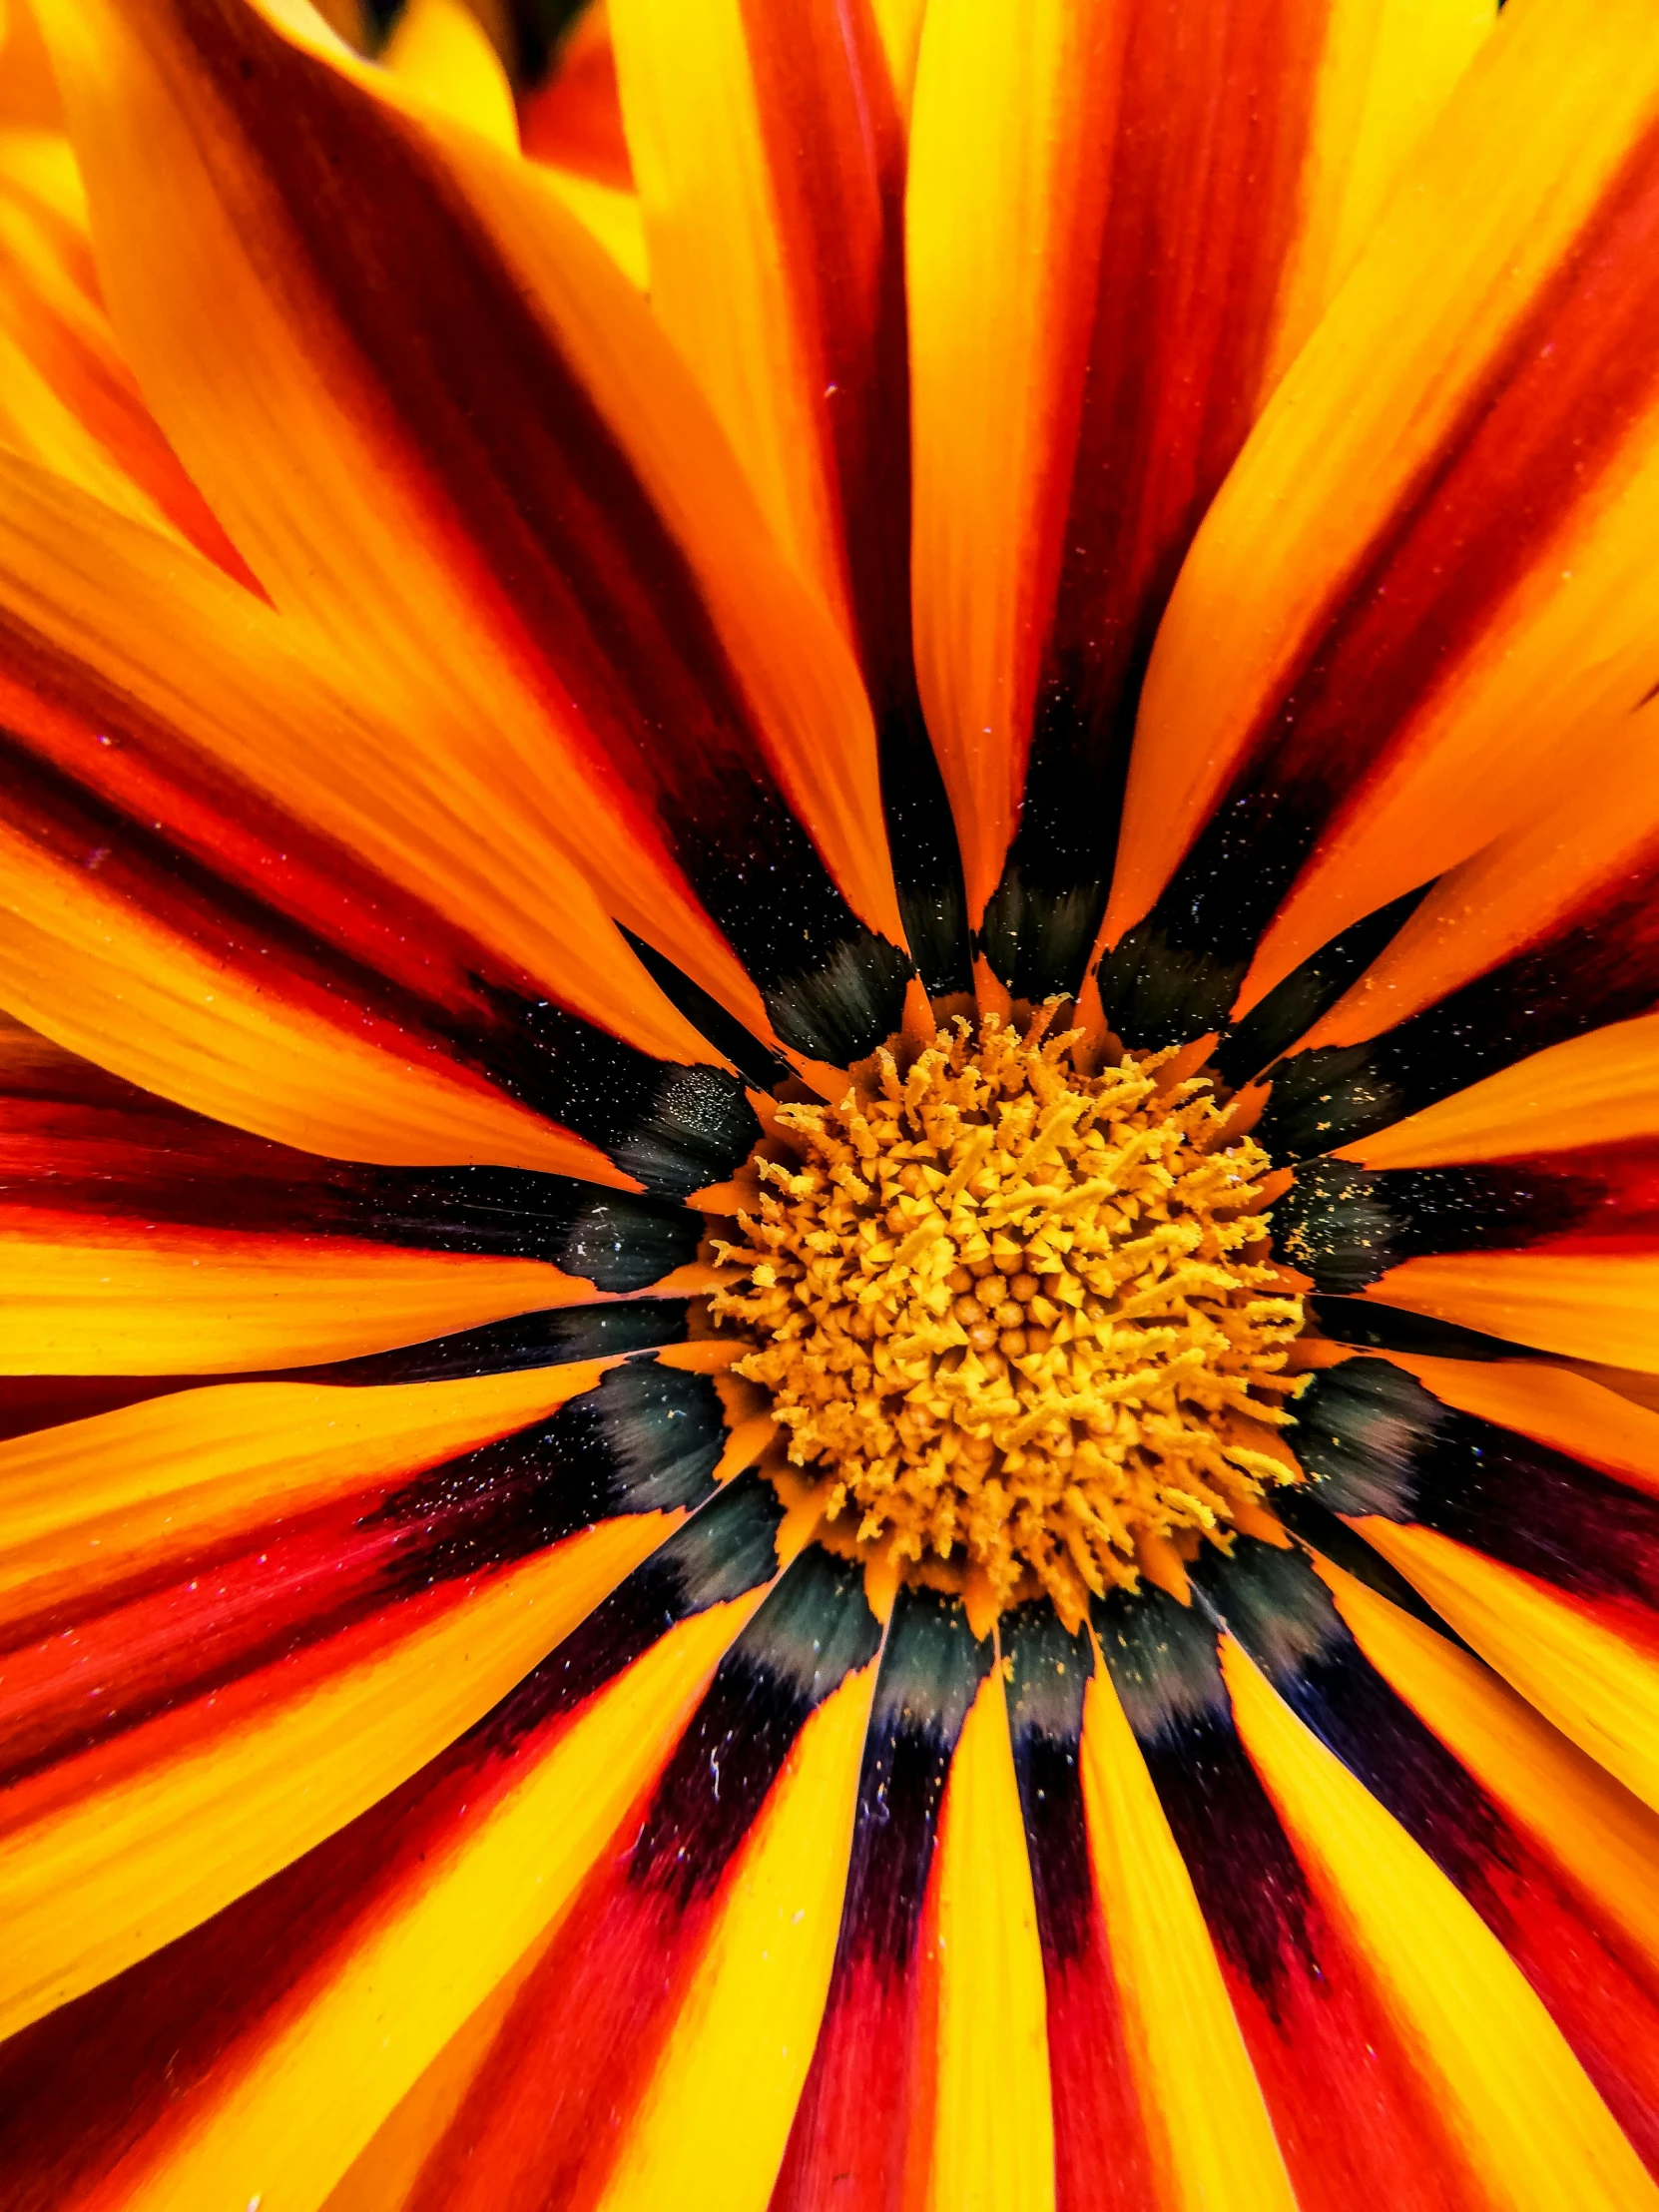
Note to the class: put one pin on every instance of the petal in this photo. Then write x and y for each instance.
(1079, 164)
(994, 2129)
(83, 1155)
(263, 1779)
(1566, 1412)
(1356, 1228)
(1105, 2147)
(725, 2088)
(1535, 2128)
(1602, 1839)
(573, 119)
(544, 1339)
(1575, 1961)
(570, 124)
(125, 1694)
(770, 163)
(468, 1871)
(1347, 2105)
(223, 774)
(70, 400)
(523, 516)
(1595, 1684)
(440, 49)
(88, 969)
(160, 1303)
(865, 2120)
(94, 1504)
(1598, 1089)
(1600, 1307)
(1544, 935)
(1218, 2147)
(1356, 693)
(599, 2035)
(1378, 1442)
(28, 93)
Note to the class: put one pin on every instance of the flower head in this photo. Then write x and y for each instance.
(827, 1107)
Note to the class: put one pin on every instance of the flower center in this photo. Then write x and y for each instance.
(1014, 1316)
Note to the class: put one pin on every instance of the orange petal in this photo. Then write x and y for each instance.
(420, 1959)
(1591, 1307)
(1593, 1684)
(1536, 2131)
(1602, 1088)
(440, 49)
(70, 401)
(86, 1506)
(248, 743)
(1373, 681)
(1568, 1411)
(94, 974)
(178, 1302)
(1157, 203)
(194, 1816)
(518, 519)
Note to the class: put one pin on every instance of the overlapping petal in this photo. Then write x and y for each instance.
(1154, 201)
(517, 501)
(1355, 688)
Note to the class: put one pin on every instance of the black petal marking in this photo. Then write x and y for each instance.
(931, 1670)
(720, 1553)
(557, 1337)
(1292, 1007)
(928, 866)
(1347, 1226)
(1163, 1661)
(1048, 1673)
(754, 1061)
(811, 1633)
(1284, 1618)
(1378, 1442)
(646, 1440)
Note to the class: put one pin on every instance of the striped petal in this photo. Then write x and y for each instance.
(1540, 940)
(232, 879)
(770, 152)
(1352, 690)
(382, 1946)
(330, 1616)
(1547, 1565)
(1120, 222)
(866, 2115)
(1505, 2081)
(603, 2042)
(1559, 1249)
(1213, 2141)
(1347, 2112)
(523, 516)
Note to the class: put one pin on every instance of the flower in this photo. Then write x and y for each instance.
(828, 1110)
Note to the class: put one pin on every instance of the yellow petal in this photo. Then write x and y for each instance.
(1591, 1682)
(1535, 2130)
(1217, 2152)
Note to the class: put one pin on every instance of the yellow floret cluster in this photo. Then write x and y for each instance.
(1014, 1316)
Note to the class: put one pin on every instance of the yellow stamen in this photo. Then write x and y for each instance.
(1011, 1315)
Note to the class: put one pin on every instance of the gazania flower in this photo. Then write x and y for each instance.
(829, 1111)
